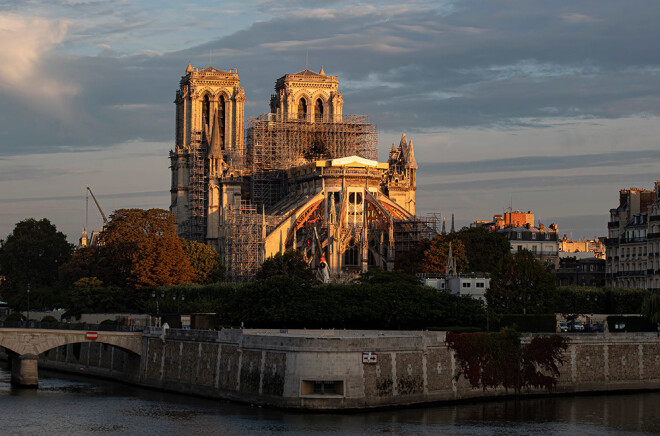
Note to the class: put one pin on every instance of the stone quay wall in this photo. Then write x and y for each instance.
(324, 369)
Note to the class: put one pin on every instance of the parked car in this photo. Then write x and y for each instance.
(598, 327)
(563, 326)
(576, 327)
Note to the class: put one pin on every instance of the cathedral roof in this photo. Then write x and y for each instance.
(308, 72)
(214, 70)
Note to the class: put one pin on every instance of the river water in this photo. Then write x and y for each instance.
(68, 404)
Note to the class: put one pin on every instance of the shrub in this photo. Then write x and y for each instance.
(15, 316)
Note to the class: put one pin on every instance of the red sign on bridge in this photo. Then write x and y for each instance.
(92, 336)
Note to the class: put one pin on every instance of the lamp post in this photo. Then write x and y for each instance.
(28, 305)
(178, 302)
(154, 294)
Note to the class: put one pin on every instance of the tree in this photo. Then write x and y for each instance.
(205, 261)
(522, 284)
(140, 248)
(32, 253)
(430, 256)
(483, 248)
(292, 263)
(651, 308)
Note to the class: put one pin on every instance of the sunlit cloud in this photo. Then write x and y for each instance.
(26, 42)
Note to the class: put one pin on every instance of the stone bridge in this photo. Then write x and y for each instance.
(25, 345)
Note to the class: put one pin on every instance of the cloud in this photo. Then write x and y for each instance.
(574, 18)
(24, 72)
(543, 163)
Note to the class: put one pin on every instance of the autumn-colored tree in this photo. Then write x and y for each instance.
(205, 261)
(140, 248)
(431, 256)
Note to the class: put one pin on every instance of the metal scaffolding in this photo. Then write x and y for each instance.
(273, 146)
(408, 233)
(244, 242)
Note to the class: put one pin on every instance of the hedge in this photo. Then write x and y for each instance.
(531, 323)
(632, 323)
(577, 299)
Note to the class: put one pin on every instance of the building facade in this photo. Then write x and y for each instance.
(581, 272)
(633, 243)
(304, 177)
(541, 241)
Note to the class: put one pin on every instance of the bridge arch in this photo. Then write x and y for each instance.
(37, 341)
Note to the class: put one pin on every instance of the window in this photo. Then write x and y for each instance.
(302, 109)
(534, 236)
(206, 111)
(519, 247)
(480, 285)
(322, 387)
(355, 197)
(467, 284)
(318, 111)
(221, 120)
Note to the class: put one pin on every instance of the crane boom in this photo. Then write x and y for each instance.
(105, 219)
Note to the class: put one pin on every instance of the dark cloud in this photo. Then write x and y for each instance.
(541, 163)
(412, 68)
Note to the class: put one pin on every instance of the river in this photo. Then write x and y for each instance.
(69, 404)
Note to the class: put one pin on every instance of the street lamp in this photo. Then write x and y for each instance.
(154, 294)
(178, 302)
(28, 305)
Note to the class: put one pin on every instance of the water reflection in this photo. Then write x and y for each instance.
(77, 405)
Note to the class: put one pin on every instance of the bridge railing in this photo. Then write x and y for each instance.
(73, 326)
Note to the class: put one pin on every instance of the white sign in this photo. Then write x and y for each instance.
(369, 358)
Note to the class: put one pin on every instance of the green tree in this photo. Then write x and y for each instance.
(651, 308)
(483, 248)
(522, 284)
(140, 248)
(205, 261)
(32, 253)
(292, 263)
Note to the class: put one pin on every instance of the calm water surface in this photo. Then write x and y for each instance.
(66, 404)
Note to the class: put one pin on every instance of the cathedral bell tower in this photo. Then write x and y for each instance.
(307, 96)
(209, 141)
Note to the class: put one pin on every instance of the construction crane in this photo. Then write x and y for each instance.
(105, 219)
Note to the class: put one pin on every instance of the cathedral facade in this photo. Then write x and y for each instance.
(304, 177)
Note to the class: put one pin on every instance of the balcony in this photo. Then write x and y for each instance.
(653, 236)
(654, 218)
(625, 240)
(613, 225)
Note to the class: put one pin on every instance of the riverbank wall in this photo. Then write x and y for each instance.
(335, 370)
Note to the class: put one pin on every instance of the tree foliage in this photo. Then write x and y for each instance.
(138, 249)
(522, 284)
(291, 264)
(205, 261)
(32, 253)
(490, 360)
(430, 256)
(651, 308)
(483, 248)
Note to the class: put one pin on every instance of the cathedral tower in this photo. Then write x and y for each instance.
(209, 118)
(307, 96)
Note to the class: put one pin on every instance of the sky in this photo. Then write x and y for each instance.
(549, 106)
